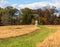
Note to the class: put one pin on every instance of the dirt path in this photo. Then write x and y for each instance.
(53, 40)
(13, 31)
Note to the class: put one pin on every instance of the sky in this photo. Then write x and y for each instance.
(32, 4)
(25, 1)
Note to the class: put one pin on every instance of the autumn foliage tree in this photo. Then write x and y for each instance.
(12, 16)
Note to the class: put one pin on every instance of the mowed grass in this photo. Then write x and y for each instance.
(29, 40)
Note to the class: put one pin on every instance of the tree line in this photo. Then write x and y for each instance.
(13, 16)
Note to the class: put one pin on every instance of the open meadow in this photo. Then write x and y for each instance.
(25, 35)
(14, 31)
(53, 40)
(29, 23)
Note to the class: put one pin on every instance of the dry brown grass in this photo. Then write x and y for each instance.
(53, 40)
(13, 31)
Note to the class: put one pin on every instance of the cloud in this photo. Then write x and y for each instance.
(3, 3)
(31, 6)
(35, 5)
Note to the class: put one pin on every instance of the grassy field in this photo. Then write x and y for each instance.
(29, 40)
(16, 30)
(53, 40)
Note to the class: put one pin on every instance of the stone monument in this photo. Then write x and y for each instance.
(36, 22)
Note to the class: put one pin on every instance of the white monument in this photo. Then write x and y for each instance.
(36, 22)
